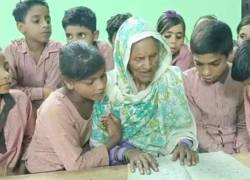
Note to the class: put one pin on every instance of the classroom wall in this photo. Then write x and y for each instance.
(228, 11)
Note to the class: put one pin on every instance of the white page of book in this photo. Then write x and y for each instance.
(219, 166)
(212, 166)
(168, 170)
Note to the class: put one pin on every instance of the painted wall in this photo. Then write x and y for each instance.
(228, 11)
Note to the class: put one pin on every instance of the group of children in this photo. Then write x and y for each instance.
(45, 119)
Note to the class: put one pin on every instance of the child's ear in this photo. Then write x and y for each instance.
(96, 35)
(69, 84)
(21, 27)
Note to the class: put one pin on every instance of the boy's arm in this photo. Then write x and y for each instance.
(10, 57)
(34, 93)
(52, 79)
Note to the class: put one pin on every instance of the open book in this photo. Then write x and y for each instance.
(211, 166)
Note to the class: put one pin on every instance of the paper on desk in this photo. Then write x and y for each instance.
(212, 166)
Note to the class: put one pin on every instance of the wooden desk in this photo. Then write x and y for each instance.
(103, 173)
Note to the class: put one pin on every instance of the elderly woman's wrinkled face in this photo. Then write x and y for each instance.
(144, 60)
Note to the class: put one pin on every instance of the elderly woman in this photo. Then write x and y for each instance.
(147, 95)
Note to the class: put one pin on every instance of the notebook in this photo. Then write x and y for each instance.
(211, 166)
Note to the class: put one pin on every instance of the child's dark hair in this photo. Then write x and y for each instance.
(201, 21)
(23, 7)
(169, 19)
(78, 60)
(241, 62)
(80, 16)
(114, 23)
(216, 37)
(244, 21)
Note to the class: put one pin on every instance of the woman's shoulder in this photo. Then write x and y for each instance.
(174, 74)
(174, 71)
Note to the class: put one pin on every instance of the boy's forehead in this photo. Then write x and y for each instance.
(208, 58)
(78, 28)
(38, 10)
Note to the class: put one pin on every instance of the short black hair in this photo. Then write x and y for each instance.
(244, 21)
(241, 62)
(79, 60)
(80, 16)
(23, 7)
(215, 37)
(169, 19)
(114, 23)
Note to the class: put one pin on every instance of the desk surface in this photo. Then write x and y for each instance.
(102, 173)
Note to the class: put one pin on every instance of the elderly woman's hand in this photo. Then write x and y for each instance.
(113, 127)
(185, 154)
(143, 161)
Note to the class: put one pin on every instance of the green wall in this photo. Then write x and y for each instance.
(228, 11)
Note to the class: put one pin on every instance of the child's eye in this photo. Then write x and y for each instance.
(198, 64)
(69, 36)
(167, 36)
(83, 35)
(179, 37)
(216, 64)
(48, 21)
(36, 21)
(90, 82)
(103, 76)
(242, 36)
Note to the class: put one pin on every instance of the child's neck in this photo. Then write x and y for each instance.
(35, 48)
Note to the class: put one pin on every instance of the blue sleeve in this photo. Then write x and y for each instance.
(187, 142)
(117, 153)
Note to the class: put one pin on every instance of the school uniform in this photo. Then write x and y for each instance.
(31, 76)
(184, 59)
(247, 109)
(218, 111)
(61, 137)
(106, 52)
